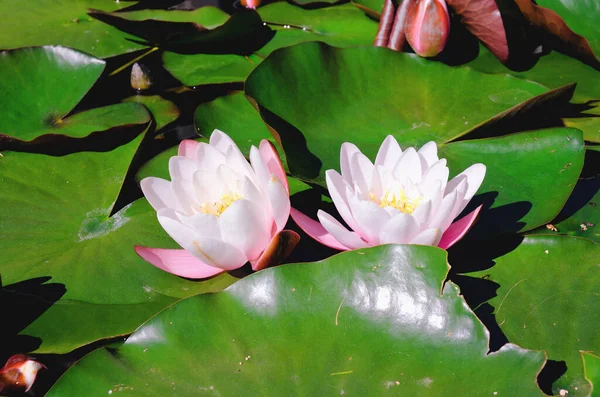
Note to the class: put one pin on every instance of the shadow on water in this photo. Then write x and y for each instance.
(242, 34)
(24, 302)
(309, 202)
(301, 160)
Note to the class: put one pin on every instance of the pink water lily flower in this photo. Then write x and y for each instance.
(404, 198)
(221, 209)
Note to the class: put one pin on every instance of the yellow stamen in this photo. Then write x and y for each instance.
(218, 207)
(398, 200)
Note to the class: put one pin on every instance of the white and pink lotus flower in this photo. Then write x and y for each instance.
(226, 212)
(221, 209)
(403, 198)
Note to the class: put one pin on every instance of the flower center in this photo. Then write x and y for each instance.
(218, 207)
(398, 200)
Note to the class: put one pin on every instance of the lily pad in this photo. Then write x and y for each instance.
(555, 70)
(555, 156)
(163, 110)
(339, 26)
(65, 23)
(198, 69)
(363, 94)
(41, 86)
(580, 16)
(548, 299)
(56, 222)
(370, 321)
(591, 363)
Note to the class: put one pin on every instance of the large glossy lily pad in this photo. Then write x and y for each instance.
(318, 97)
(548, 299)
(365, 322)
(56, 223)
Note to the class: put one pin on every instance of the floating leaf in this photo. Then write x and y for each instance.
(548, 299)
(555, 70)
(369, 322)
(41, 86)
(63, 22)
(561, 36)
(163, 111)
(591, 364)
(339, 96)
(55, 223)
(339, 26)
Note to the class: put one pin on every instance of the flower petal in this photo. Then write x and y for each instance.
(187, 148)
(211, 251)
(208, 186)
(346, 153)
(280, 202)
(408, 166)
(370, 217)
(279, 248)
(362, 173)
(339, 232)
(428, 237)
(177, 261)
(184, 193)
(158, 193)
(207, 157)
(315, 230)
(444, 214)
(221, 141)
(458, 229)
(428, 154)
(388, 153)
(474, 175)
(401, 229)
(204, 224)
(244, 225)
(260, 168)
(182, 168)
(271, 158)
(337, 190)
(437, 172)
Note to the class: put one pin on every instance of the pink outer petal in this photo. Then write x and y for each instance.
(177, 261)
(458, 229)
(315, 230)
(271, 158)
(187, 148)
(278, 249)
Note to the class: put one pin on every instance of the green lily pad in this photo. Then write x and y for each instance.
(591, 363)
(555, 157)
(367, 322)
(339, 26)
(198, 69)
(548, 299)
(163, 110)
(63, 22)
(581, 215)
(41, 86)
(363, 94)
(580, 16)
(67, 23)
(56, 223)
(555, 70)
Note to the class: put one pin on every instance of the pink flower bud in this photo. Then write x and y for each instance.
(19, 373)
(428, 27)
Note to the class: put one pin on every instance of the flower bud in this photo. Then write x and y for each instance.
(140, 77)
(428, 27)
(19, 373)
